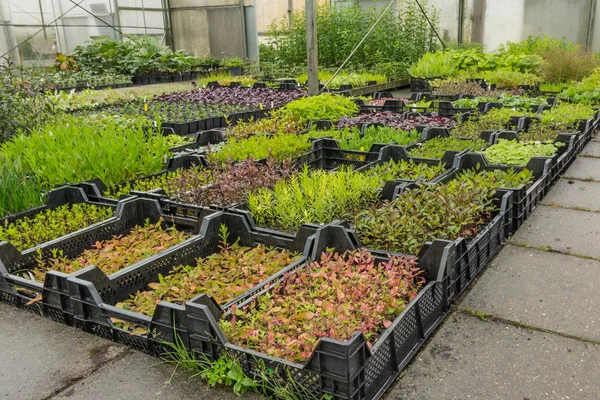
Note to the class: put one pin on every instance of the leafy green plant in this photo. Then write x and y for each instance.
(441, 211)
(356, 79)
(231, 62)
(280, 147)
(495, 119)
(512, 152)
(224, 275)
(503, 78)
(378, 134)
(323, 106)
(320, 196)
(114, 254)
(27, 232)
(437, 147)
(586, 92)
(537, 45)
(333, 297)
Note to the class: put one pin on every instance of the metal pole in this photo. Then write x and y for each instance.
(360, 43)
(144, 15)
(312, 50)
(42, 15)
(290, 11)
(431, 24)
(244, 36)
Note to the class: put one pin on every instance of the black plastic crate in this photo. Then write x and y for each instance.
(343, 369)
(55, 296)
(201, 139)
(94, 294)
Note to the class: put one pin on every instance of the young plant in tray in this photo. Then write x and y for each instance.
(441, 211)
(513, 152)
(249, 97)
(280, 147)
(323, 106)
(321, 197)
(334, 297)
(435, 148)
(28, 232)
(272, 125)
(377, 134)
(396, 121)
(117, 253)
(224, 275)
(496, 119)
(177, 140)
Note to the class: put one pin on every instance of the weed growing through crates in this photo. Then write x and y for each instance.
(27, 232)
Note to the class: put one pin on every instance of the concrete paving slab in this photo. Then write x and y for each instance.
(40, 357)
(592, 149)
(142, 377)
(574, 193)
(473, 359)
(545, 290)
(572, 231)
(584, 168)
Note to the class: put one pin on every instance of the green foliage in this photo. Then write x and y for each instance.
(398, 40)
(332, 297)
(559, 119)
(320, 196)
(495, 119)
(77, 149)
(231, 62)
(177, 140)
(279, 147)
(18, 190)
(429, 212)
(356, 79)
(586, 92)
(504, 78)
(435, 148)
(28, 232)
(224, 275)
(537, 45)
(23, 106)
(512, 152)
(114, 254)
(434, 65)
(378, 134)
(323, 106)
(138, 55)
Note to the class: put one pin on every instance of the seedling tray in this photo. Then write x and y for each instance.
(55, 297)
(94, 294)
(191, 127)
(201, 139)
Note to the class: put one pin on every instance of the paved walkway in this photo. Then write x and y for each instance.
(528, 329)
(530, 326)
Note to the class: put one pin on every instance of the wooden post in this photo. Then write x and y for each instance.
(311, 48)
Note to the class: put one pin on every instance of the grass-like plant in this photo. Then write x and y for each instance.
(18, 190)
(435, 148)
(76, 149)
(513, 152)
(334, 297)
(117, 253)
(320, 196)
(225, 275)
(50, 224)
(562, 65)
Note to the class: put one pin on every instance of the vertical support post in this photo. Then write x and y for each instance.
(9, 30)
(312, 48)
(461, 18)
(591, 23)
(290, 11)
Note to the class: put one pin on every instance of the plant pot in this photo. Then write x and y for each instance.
(177, 77)
(186, 76)
(235, 71)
